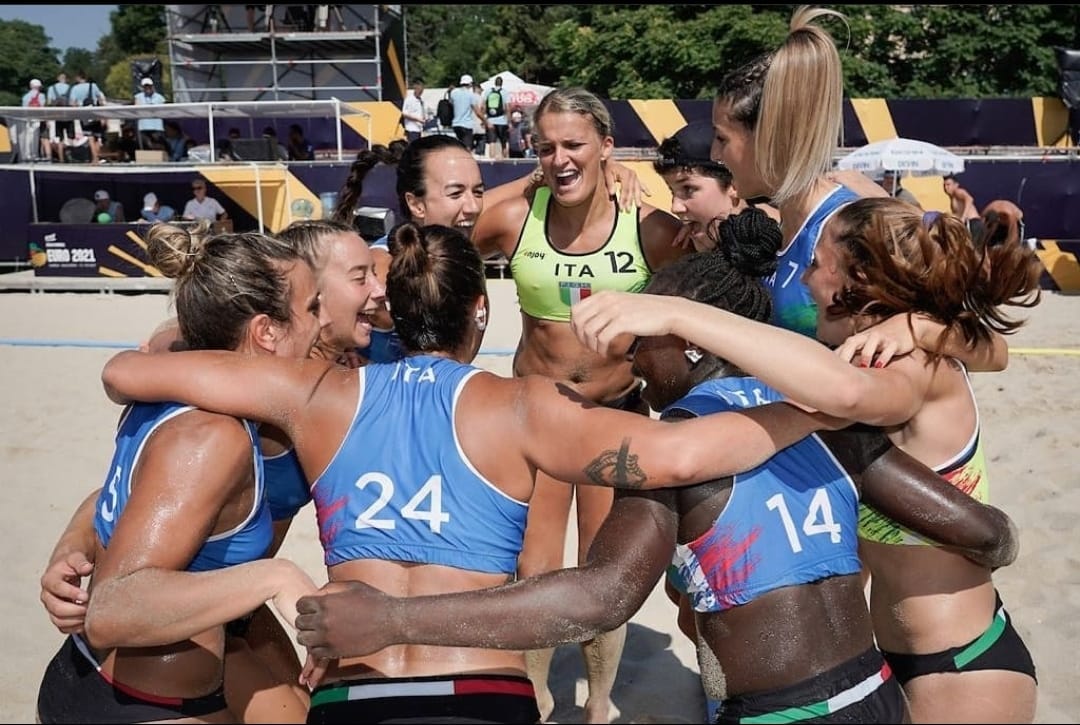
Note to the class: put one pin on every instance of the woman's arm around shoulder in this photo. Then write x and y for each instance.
(498, 226)
(658, 231)
(577, 441)
(260, 387)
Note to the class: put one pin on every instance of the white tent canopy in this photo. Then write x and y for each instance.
(518, 92)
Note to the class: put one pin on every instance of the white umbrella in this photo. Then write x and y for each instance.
(903, 155)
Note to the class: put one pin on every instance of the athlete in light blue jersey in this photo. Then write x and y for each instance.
(793, 307)
(412, 496)
(180, 527)
(769, 556)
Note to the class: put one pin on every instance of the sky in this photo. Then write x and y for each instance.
(69, 26)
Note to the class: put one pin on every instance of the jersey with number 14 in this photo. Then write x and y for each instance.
(400, 488)
(790, 521)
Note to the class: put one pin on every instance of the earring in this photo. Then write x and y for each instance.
(693, 355)
(481, 320)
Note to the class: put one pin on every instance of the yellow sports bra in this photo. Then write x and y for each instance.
(966, 471)
(549, 281)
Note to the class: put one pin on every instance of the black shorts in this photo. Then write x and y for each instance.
(500, 133)
(74, 691)
(1000, 647)
(65, 127)
(861, 690)
(440, 699)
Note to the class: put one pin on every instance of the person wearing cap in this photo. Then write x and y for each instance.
(30, 140)
(703, 193)
(890, 182)
(105, 209)
(154, 211)
(151, 130)
(467, 111)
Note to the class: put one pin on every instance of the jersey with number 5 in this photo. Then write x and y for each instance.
(400, 488)
(789, 521)
(247, 541)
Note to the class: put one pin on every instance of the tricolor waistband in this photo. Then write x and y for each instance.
(438, 686)
(856, 693)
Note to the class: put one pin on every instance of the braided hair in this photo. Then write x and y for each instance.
(728, 278)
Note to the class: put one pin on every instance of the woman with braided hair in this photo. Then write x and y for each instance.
(769, 555)
(937, 615)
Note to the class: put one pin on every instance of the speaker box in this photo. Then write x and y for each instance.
(254, 149)
(1069, 79)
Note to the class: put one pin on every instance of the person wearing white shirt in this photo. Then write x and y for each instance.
(413, 114)
(203, 206)
(151, 130)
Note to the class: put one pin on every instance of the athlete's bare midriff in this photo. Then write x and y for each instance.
(189, 669)
(925, 599)
(402, 579)
(551, 349)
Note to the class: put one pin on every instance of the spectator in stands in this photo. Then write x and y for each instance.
(106, 210)
(85, 92)
(271, 133)
(151, 130)
(413, 114)
(300, 149)
(59, 131)
(30, 143)
(154, 211)
(480, 123)
(121, 147)
(519, 142)
(177, 142)
(225, 151)
(466, 111)
(498, 131)
(891, 183)
(203, 206)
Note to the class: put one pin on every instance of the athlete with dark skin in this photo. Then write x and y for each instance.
(823, 623)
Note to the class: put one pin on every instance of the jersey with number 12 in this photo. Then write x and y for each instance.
(401, 488)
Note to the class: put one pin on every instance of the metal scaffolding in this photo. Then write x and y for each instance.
(245, 53)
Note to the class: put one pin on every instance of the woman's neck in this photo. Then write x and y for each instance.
(795, 211)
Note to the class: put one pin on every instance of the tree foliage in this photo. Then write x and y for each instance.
(643, 51)
(681, 51)
(24, 54)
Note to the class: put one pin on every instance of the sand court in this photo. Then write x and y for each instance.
(56, 429)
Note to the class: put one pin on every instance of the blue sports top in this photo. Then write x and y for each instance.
(400, 488)
(789, 521)
(287, 489)
(793, 307)
(385, 345)
(246, 542)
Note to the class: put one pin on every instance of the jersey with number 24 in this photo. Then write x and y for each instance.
(400, 488)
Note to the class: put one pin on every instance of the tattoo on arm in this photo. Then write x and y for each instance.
(619, 468)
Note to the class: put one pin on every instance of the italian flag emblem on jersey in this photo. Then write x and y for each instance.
(573, 292)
